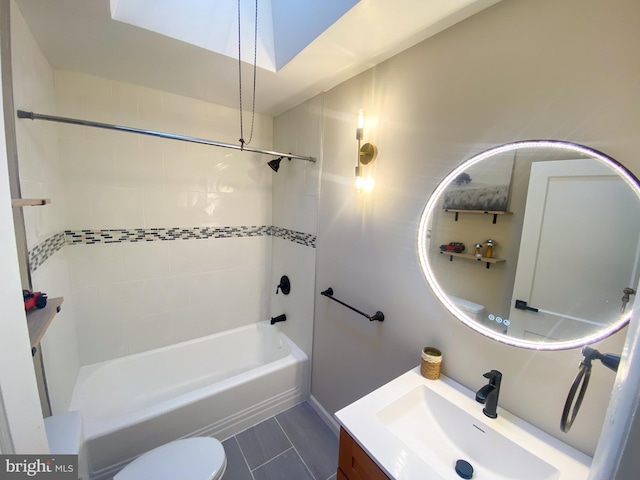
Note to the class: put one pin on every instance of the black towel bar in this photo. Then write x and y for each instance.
(379, 316)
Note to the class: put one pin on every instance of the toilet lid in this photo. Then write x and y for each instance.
(198, 458)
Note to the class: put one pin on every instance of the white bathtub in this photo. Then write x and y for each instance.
(215, 386)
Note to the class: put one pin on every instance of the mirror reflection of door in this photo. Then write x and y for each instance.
(579, 250)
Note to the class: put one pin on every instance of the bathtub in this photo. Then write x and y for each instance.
(214, 386)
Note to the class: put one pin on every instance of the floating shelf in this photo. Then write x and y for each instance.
(486, 212)
(39, 319)
(467, 256)
(30, 202)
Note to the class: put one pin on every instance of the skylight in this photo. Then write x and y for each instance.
(285, 27)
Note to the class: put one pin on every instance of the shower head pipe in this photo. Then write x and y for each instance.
(153, 133)
(275, 163)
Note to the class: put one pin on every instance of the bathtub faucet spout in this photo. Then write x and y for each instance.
(279, 318)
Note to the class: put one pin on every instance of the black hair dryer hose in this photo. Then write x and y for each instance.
(582, 382)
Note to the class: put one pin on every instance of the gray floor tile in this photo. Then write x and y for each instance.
(312, 439)
(262, 442)
(237, 468)
(287, 466)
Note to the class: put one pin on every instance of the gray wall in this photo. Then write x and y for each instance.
(560, 69)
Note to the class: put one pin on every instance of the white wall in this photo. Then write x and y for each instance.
(19, 392)
(20, 408)
(519, 70)
(131, 297)
(41, 177)
(295, 208)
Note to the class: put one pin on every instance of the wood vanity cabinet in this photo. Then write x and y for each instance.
(354, 463)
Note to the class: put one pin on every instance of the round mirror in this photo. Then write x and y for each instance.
(535, 244)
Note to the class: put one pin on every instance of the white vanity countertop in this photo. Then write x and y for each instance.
(402, 462)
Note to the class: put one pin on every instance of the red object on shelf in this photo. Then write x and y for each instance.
(34, 300)
(457, 247)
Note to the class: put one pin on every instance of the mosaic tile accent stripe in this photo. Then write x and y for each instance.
(41, 252)
(305, 239)
(119, 235)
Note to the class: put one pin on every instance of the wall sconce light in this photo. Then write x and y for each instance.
(367, 153)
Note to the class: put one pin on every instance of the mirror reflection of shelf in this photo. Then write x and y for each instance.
(467, 256)
(487, 212)
(29, 202)
(39, 319)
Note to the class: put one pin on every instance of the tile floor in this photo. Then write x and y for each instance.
(293, 445)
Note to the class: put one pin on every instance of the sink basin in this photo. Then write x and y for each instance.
(442, 432)
(415, 428)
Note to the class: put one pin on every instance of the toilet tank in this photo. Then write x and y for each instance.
(65, 436)
(473, 310)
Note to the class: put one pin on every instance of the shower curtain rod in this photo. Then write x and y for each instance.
(171, 136)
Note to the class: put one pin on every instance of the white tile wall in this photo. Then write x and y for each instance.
(59, 348)
(41, 177)
(154, 293)
(37, 144)
(295, 186)
(298, 263)
(92, 265)
(295, 207)
(136, 296)
(118, 179)
(100, 319)
(298, 213)
(145, 260)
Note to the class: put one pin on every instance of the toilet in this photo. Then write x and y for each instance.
(473, 310)
(197, 458)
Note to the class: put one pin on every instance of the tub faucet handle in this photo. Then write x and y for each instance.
(285, 285)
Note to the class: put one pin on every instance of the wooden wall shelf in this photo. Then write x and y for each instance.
(486, 212)
(30, 202)
(39, 319)
(467, 256)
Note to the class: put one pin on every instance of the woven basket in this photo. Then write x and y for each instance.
(431, 363)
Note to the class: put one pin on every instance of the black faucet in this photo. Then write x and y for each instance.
(488, 394)
(279, 318)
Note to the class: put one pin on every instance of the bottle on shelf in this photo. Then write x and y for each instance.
(488, 253)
